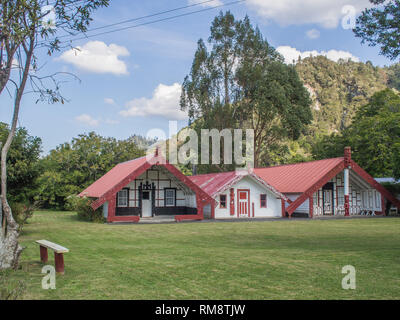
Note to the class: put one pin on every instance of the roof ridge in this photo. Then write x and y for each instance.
(209, 174)
(299, 163)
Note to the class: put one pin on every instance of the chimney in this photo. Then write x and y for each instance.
(347, 156)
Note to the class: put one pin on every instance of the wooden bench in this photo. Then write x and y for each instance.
(58, 254)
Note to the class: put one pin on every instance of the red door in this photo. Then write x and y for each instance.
(243, 203)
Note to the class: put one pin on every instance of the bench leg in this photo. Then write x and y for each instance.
(43, 255)
(59, 261)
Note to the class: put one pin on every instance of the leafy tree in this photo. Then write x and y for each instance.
(374, 137)
(380, 26)
(393, 73)
(22, 161)
(23, 33)
(72, 167)
(243, 83)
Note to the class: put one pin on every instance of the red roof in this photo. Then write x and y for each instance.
(215, 183)
(113, 177)
(297, 178)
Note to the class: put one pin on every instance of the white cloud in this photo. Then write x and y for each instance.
(111, 121)
(291, 54)
(109, 101)
(213, 3)
(165, 103)
(313, 34)
(97, 57)
(327, 13)
(87, 120)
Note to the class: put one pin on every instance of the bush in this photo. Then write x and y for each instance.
(22, 212)
(82, 205)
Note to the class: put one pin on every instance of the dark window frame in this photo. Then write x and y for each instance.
(165, 197)
(127, 198)
(265, 205)
(221, 201)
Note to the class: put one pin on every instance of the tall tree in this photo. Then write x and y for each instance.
(374, 136)
(24, 31)
(243, 83)
(380, 26)
(22, 163)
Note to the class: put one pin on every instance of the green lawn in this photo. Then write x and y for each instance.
(256, 260)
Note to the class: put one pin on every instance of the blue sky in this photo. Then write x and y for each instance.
(130, 80)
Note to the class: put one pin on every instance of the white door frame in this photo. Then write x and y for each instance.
(147, 206)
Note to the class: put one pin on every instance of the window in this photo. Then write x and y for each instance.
(378, 202)
(170, 197)
(340, 196)
(222, 201)
(263, 200)
(146, 195)
(122, 198)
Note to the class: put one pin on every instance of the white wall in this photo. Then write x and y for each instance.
(274, 205)
(303, 208)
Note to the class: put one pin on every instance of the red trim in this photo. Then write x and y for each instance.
(232, 201)
(311, 207)
(126, 219)
(384, 192)
(253, 208)
(238, 202)
(319, 184)
(111, 209)
(188, 217)
(347, 206)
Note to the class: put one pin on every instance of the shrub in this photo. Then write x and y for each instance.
(22, 212)
(82, 205)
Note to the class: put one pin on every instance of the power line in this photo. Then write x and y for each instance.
(150, 22)
(136, 19)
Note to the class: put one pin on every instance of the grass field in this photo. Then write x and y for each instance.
(256, 260)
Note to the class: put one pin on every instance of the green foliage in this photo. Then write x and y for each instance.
(72, 167)
(380, 26)
(393, 73)
(243, 83)
(82, 206)
(22, 212)
(374, 137)
(22, 164)
(338, 90)
(394, 188)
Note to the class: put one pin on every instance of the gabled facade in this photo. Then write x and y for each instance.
(240, 195)
(144, 188)
(329, 187)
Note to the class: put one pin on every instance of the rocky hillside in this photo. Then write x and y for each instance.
(339, 89)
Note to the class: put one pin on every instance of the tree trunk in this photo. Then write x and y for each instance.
(10, 250)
